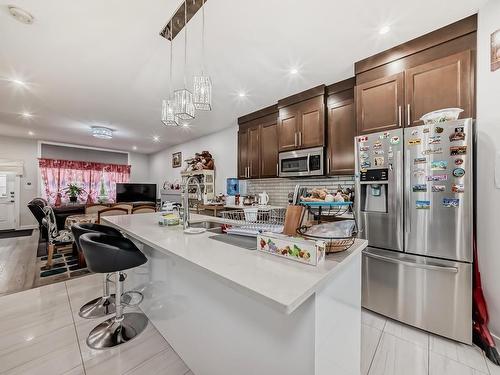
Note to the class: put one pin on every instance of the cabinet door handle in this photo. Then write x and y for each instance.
(300, 139)
(295, 139)
(277, 169)
(408, 116)
(399, 115)
(328, 165)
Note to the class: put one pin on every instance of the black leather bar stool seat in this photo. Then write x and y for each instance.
(105, 305)
(105, 254)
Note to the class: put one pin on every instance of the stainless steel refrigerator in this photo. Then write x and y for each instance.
(415, 205)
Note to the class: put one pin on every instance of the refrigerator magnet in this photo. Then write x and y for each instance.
(422, 205)
(438, 177)
(457, 136)
(426, 130)
(438, 188)
(419, 160)
(434, 139)
(394, 140)
(439, 129)
(439, 165)
(419, 188)
(451, 202)
(363, 138)
(363, 156)
(414, 141)
(366, 164)
(431, 151)
(459, 161)
(458, 150)
(414, 132)
(378, 152)
(384, 135)
(419, 172)
(457, 188)
(377, 145)
(364, 148)
(458, 172)
(459, 129)
(379, 161)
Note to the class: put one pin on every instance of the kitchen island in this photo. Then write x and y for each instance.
(227, 310)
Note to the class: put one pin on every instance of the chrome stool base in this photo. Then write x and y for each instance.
(98, 308)
(112, 332)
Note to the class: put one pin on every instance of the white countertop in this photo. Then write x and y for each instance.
(281, 283)
(261, 207)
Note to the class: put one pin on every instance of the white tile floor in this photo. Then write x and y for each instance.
(41, 333)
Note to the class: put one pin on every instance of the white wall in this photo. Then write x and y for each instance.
(488, 146)
(223, 147)
(26, 150)
(139, 172)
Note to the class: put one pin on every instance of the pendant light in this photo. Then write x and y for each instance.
(202, 84)
(168, 105)
(184, 97)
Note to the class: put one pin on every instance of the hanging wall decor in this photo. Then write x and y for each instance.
(495, 50)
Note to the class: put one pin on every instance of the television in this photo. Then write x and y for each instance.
(127, 192)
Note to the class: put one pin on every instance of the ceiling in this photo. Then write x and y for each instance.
(103, 62)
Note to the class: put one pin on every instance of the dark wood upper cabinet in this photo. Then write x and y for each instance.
(442, 83)
(269, 149)
(243, 153)
(301, 121)
(379, 104)
(254, 152)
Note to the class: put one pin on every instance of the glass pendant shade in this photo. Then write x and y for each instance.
(168, 113)
(202, 96)
(184, 104)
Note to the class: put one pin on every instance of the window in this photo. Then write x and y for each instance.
(3, 185)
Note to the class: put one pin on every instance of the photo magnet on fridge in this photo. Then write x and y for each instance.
(457, 136)
(364, 148)
(419, 172)
(451, 202)
(457, 188)
(439, 165)
(439, 129)
(431, 151)
(422, 205)
(458, 150)
(379, 161)
(438, 188)
(363, 156)
(366, 164)
(434, 140)
(394, 140)
(363, 139)
(377, 145)
(420, 188)
(414, 142)
(438, 177)
(459, 161)
(419, 160)
(458, 172)
(426, 130)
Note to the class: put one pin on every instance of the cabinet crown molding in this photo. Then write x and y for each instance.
(272, 109)
(301, 96)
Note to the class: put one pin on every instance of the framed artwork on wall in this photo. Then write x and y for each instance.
(176, 159)
(495, 50)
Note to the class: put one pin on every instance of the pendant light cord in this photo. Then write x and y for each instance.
(185, 42)
(202, 37)
(171, 60)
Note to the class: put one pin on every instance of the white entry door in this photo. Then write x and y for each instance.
(8, 201)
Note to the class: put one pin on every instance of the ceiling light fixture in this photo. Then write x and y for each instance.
(156, 138)
(294, 71)
(168, 109)
(31, 133)
(18, 82)
(26, 115)
(134, 148)
(384, 30)
(242, 94)
(184, 98)
(202, 90)
(102, 132)
(21, 15)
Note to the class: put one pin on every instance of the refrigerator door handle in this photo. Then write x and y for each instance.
(406, 193)
(412, 264)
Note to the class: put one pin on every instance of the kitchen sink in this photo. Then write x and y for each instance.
(244, 242)
(208, 225)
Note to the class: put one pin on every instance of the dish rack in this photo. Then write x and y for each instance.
(252, 221)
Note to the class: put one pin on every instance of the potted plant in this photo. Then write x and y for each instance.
(73, 191)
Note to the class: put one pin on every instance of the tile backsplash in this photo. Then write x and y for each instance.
(278, 188)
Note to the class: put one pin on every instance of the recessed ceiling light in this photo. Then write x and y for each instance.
(18, 82)
(26, 114)
(294, 71)
(242, 94)
(134, 148)
(31, 133)
(102, 132)
(21, 15)
(384, 30)
(156, 138)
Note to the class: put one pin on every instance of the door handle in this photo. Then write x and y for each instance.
(308, 165)
(400, 114)
(300, 139)
(408, 116)
(277, 169)
(407, 196)
(295, 140)
(431, 267)
(328, 165)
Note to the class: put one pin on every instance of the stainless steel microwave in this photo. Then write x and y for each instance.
(301, 163)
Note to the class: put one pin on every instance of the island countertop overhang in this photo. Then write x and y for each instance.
(280, 283)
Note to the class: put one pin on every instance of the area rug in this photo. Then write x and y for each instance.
(15, 233)
(64, 267)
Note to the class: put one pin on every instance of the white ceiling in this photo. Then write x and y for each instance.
(95, 61)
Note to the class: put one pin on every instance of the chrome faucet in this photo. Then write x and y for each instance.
(185, 200)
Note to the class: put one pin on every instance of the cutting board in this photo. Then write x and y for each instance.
(293, 219)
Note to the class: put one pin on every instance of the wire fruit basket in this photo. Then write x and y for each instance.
(253, 221)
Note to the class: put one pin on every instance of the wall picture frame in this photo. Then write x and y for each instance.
(495, 50)
(176, 159)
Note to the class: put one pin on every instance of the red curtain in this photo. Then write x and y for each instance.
(57, 174)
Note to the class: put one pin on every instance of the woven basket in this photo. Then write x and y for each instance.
(337, 246)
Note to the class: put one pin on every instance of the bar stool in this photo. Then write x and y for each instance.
(105, 254)
(105, 305)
